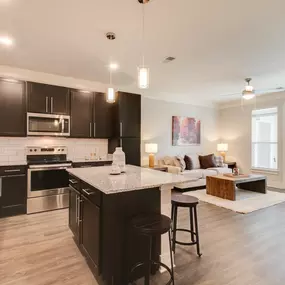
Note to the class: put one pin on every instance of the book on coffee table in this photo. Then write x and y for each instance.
(231, 175)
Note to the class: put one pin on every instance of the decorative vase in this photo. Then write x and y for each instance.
(119, 158)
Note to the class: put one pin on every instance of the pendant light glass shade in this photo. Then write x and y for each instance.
(111, 96)
(143, 77)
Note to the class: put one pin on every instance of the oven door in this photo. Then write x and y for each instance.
(47, 181)
(48, 125)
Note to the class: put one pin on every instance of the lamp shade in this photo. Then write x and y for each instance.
(222, 147)
(151, 148)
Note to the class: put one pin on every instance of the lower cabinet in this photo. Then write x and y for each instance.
(13, 191)
(90, 239)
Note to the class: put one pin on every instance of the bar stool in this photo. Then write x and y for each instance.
(185, 201)
(151, 226)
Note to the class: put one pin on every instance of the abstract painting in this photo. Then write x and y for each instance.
(185, 131)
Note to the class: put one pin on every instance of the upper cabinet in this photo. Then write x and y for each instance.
(127, 116)
(102, 112)
(12, 108)
(44, 98)
(90, 115)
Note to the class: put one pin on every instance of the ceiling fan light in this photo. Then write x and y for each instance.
(247, 95)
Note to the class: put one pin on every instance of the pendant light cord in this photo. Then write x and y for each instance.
(143, 21)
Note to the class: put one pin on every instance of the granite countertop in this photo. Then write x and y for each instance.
(135, 178)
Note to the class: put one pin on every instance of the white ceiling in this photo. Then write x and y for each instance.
(217, 43)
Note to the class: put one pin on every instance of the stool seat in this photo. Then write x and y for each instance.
(151, 224)
(183, 200)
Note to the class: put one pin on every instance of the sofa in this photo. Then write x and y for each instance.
(197, 174)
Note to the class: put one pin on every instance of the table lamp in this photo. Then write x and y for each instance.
(223, 148)
(151, 149)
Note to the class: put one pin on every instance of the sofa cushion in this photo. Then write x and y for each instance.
(188, 162)
(194, 173)
(219, 161)
(207, 161)
(181, 161)
(209, 172)
(195, 160)
(221, 170)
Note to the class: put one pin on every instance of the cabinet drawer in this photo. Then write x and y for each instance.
(74, 182)
(13, 170)
(93, 194)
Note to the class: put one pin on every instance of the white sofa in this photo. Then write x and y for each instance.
(197, 174)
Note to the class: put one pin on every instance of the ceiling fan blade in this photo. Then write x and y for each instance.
(272, 90)
(231, 94)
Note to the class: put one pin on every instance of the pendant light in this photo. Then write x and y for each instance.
(110, 98)
(248, 93)
(143, 71)
(111, 94)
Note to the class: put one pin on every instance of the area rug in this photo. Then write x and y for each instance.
(246, 201)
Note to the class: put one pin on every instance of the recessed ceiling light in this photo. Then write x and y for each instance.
(113, 66)
(6, 41)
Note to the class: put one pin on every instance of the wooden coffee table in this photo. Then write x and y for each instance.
(225, 187)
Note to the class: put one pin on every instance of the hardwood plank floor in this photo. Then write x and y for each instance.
(237, 249)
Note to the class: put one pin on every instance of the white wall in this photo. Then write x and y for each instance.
(157, 127)
(235, 129)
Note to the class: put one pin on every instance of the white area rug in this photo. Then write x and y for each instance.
(246, 202)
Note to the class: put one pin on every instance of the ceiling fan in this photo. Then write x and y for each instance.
(249, 92)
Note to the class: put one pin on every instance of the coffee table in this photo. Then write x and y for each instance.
(225, 187)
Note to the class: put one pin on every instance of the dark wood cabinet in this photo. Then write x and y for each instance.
(90, 239)
(102, 124)
(13, 191)
(127, 115)
(12, 108)
(91, 115)
(74, 201)
(91, 164)
(44, 98)
(81, 114)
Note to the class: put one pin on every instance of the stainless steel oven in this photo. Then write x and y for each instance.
(48, 183)
(48, 125)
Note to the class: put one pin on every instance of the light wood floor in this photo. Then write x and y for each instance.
(237, 250)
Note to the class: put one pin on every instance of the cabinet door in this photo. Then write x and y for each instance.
(132, 149)
(90, 239)
(81, 114)
(12, 108)
(129, 115)
(14, 195)
(38, 98)
(102, 117)
(74, 200)
(59, 100)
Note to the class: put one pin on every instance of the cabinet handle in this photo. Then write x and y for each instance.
(121, 129)
(94, 129)
(88, 193)
(72, 181)
(121, 143)
(0, 187)
(90, 130)
(51, 104)
(12, 170)
(76, 210)
(46, 104)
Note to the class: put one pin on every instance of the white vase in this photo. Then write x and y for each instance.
(119, 158)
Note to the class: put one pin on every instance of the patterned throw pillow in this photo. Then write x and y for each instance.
(182, 163)
(188, 162)
(219, 161)
(168, 160)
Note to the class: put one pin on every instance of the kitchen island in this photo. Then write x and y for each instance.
(100, 209)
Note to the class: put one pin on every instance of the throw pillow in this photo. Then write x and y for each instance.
(195, 160)
(219, 161)
(168, 160)
(188, 162)
(207, 161)
(182, 163)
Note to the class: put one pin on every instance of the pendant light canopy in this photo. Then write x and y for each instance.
(143, 71)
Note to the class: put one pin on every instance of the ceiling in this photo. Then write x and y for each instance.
(216, 43)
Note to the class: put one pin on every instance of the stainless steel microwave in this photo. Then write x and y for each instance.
(48, 125)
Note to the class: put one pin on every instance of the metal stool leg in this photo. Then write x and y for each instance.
(171, 257)
(197, 232)
(174, 229)
(148, 264)
(192, 224)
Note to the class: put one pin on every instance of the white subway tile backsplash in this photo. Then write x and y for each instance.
(13, 150)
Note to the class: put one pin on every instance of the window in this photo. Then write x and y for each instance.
(265, 139)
